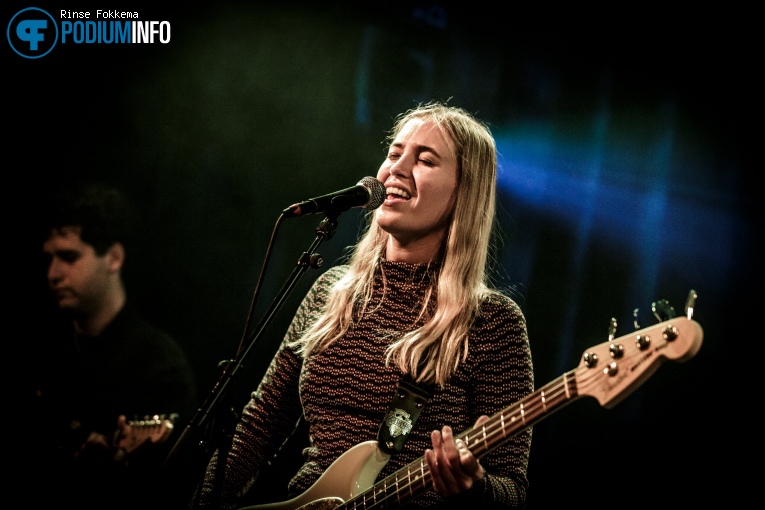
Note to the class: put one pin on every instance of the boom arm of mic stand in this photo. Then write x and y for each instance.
(195, 440)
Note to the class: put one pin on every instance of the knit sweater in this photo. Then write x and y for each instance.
(344, 392)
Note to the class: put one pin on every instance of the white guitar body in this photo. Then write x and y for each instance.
(351, 473)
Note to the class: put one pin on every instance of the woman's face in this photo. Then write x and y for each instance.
(420, 176)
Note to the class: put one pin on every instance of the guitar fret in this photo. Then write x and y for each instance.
(544, 401)
(565, 386)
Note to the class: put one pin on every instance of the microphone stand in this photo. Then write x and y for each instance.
(195, 440)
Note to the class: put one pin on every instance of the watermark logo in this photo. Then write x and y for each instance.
(33, 33)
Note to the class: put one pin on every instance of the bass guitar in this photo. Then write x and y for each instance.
(607, 372)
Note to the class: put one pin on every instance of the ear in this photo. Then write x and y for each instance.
(115, 257)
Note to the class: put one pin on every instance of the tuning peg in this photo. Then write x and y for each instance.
(635, 322)
(662, 310)
(612, 329)
(690, 303)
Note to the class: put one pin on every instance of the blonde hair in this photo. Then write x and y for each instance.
(432, 352)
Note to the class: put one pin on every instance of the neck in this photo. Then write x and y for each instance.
(422, 251)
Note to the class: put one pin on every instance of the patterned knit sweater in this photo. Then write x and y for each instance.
(345, 391)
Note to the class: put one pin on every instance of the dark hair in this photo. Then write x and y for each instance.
(103, 214)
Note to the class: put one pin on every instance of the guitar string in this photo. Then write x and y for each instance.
(497, 429)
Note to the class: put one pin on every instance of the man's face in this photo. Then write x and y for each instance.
(77, 276)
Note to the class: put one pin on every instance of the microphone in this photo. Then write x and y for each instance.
(368, 193)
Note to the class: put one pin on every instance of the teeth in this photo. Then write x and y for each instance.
(397, 191)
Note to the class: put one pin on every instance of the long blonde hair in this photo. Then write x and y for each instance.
(433, 351)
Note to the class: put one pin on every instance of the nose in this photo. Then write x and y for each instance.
(54, 270)
(401, 167)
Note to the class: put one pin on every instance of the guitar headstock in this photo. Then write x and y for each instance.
(155, 429)
(609, 372)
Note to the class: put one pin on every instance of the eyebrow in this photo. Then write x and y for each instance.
(65, 252)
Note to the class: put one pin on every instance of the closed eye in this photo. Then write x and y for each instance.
(68, 256)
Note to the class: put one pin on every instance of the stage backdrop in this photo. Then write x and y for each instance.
(623, 180)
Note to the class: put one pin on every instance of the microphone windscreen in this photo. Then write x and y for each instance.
(376, 192)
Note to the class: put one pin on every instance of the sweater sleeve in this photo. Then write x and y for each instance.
(268, 418)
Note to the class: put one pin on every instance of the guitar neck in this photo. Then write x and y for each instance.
(512, 420)
(608, 372)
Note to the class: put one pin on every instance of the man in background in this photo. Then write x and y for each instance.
(101, 368)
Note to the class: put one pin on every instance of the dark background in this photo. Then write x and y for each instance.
(626, 150)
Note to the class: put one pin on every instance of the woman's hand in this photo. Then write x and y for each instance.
(453, 467)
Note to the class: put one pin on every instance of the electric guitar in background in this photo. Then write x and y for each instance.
(78, 443)
(151, 429)
(608, 372)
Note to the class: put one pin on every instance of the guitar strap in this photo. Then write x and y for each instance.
(403, 411)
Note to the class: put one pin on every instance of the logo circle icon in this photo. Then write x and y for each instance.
(32, 33)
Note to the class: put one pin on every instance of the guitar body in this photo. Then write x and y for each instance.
(353, 472)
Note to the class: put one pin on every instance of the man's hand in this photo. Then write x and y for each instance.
(98, 449)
